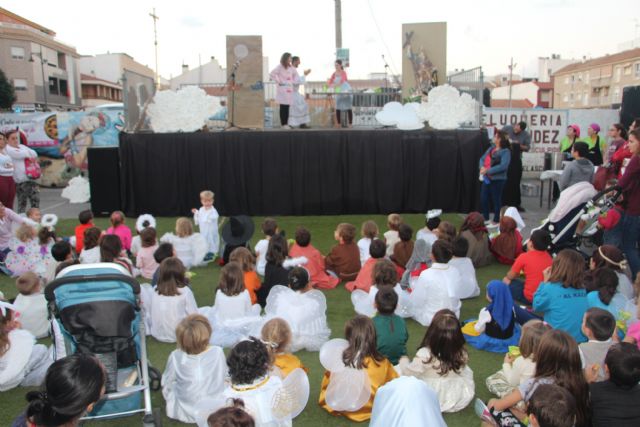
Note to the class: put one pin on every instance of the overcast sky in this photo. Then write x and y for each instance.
(485, 33)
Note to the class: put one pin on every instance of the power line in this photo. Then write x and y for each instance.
(373, 17)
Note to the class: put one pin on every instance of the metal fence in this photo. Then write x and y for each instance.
(471, 82)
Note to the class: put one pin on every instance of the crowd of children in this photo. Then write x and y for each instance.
(568, 328)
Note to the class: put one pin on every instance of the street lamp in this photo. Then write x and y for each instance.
(44, 83)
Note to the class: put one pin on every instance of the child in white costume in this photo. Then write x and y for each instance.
(170, 302)
(143, 221)
(232, 315)
(469, 286)
(190, 247)
(304, 309)
(23, 362)
(194, 370)
(32, 305)
(384, 275)
(207, 219)
(437, 287)
(448, 372)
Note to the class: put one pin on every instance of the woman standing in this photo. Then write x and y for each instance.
(566, 145)
(26, 188)
(343, 102)
(284, 75)
(625, 234)
(618, 135)
(7, 184)
(597, 145)
(494, 164)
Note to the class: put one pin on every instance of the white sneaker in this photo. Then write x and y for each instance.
(286, 127)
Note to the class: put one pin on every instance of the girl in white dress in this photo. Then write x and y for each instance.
(194, 370)
(90, 253)
(22, 361)
(170, 302)
(190, 247)
(437, 287)
(385, 274)
(303, 308)
(233, 316)
(369, 232)
(442, 363)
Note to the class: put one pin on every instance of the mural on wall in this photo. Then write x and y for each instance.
(424, 71)
(62, 139)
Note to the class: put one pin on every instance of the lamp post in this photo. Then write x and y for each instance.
(44, 83)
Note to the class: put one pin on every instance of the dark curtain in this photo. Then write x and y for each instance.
(302, 172)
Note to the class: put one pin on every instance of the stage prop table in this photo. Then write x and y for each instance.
(301, 172)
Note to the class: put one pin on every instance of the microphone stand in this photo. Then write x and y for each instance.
(231, 84)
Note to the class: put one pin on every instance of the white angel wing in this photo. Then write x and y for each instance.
(291, 399)
(200, 248)
(348, 390)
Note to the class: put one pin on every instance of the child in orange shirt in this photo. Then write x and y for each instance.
(248, 262)
(85, 218)
(315, 261)
(276, 334)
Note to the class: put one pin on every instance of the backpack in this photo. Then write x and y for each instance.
(32, 168)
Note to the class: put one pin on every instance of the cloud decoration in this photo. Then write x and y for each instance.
(77, 191)
(404, 117)
(185, 110)
(446, 108)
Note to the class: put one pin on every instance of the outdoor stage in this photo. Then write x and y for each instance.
(301, 172)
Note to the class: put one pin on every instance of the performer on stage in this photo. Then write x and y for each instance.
(284, 75)
(520, 141)
(299, 110)
(343, 102)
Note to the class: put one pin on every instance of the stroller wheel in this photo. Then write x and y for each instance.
(155, 379)
(153, 420)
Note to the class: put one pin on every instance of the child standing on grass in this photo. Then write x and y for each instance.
(391, 236)
(144, 259)
(442, 362)
(119, 228)
(194, 370)
(518, 369)
(344, 258)
(22, 362)
(32, 305)
(361, 354)
(232, 313)
(557, 362)
(251, 280)
(171, 301)
(86, 221)
(369, 231)
(207, 218)
(269, 229)
(91, 248)
(276, 334)
(315, 261)
(391, 331)
(190, 247)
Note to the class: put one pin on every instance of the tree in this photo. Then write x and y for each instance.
(7, 92)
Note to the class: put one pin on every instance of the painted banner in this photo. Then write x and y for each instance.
(61, 139)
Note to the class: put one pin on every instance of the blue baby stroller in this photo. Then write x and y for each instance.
(95, 309)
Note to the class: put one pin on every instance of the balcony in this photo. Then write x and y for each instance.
(600, 82)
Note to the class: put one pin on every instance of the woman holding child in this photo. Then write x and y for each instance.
(494, 164)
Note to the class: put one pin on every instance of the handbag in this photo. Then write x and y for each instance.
(603, 175)
(32, 168)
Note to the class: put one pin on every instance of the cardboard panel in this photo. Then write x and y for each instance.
(246, 103)
(427, 42)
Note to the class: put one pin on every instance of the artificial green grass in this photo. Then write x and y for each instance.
(339, 309)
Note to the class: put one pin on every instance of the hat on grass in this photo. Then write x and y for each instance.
(238, 230)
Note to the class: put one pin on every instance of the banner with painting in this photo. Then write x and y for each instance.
(61, 139)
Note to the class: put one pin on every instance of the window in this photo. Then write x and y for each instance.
(20, 84)
(637, 72)
(565, 98)
(17, 52)
(63, 87)
(62, 61)
(566, 80)
(616, 94)
(627, 70)
(585, 98)
(571, 97)
(618, 73)
(53, 86)
(573, 78)
(580, 77)
(586, 77)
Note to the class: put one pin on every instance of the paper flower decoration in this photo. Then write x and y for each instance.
(404, 117)
(185, 110)
(77, 191)
(144, 221)
(447, 109)
(49, 220)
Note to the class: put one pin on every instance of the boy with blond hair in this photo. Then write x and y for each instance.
(31, 305)
(207, 219)
(392, 236)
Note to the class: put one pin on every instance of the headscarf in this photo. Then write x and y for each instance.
(406, 401)
(420, 254)
(513, 213)
(506, 244)
(501, 307)
(474, 222)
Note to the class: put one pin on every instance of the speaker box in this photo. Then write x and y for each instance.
(104, 180)
(630, 105)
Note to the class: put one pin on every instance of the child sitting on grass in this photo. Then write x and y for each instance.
(391, 236)
(315, 261)
(364, 279)
(344, 258)
(194, 370)
(391, 330)
(276, 334)
(248, 262)
(469, 285)
(598, 326)
(427, 233)
(85, 218)
(119, 229)
(269, 229)
(369, 232)
(32, 305)
(403, 250)
(190, 247)
(91, 246)
(144, 259)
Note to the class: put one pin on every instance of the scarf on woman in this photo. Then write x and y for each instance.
(474, 222)
(506, 244)
(420, 254)
(501, 307)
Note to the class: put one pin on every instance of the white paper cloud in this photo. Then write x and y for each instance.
(446, 108)
(185, 110)
(403, 116)
(77, 191)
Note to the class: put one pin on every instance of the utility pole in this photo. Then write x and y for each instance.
(511, 80)
(155, 42)
(338, 24)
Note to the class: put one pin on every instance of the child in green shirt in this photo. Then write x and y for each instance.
(391, 331)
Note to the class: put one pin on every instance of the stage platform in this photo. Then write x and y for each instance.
(301, 172)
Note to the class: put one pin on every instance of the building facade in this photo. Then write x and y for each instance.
(523, 95)
(42, 69)
(598, 82)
